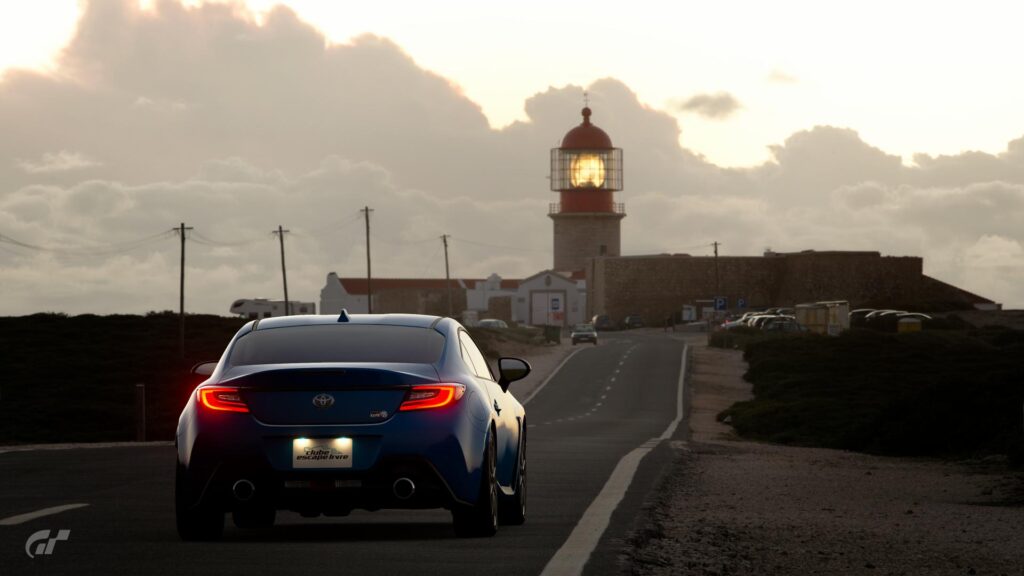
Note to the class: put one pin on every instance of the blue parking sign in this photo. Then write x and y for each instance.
(721, 303)
(741, 302)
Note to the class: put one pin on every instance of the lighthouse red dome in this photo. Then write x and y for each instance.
(586, 136)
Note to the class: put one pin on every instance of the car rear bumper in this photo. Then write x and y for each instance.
(438, 452)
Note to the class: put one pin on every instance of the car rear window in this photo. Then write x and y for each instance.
(338, 343)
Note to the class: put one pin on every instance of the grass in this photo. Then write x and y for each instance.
(933, 393)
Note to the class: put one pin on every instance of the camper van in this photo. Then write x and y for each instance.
(253, 308)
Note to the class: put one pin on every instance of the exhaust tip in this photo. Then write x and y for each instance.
(403, 488)
(243, 490)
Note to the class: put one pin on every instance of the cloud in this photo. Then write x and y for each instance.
(57, 162)
(778, 76)
(202, 116)
(717, 106)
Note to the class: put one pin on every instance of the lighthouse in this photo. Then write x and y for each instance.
(586, 171)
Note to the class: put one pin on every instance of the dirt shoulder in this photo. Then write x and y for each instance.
(728, 506)
(543, 362)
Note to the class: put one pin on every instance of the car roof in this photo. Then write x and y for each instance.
(410, 320)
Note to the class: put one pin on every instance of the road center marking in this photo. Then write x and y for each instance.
(570, 559)
(22, 518)
(550, 376)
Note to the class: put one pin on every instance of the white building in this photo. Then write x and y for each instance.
(550, 298)
(547, 297)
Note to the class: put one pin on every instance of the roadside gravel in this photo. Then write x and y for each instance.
(728, 506)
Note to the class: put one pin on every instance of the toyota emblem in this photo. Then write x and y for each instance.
(323, 401)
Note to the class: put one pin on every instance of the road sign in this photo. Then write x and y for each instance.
(556, 304)
(741, 302)
(721, 303)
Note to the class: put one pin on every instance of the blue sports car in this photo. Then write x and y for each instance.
(326, 414)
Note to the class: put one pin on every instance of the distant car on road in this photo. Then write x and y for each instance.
(602, 322)
(492, 323)
(633, 321)
(326, 414)
(583, 333)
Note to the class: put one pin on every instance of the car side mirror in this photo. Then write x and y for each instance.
(204, 368)
(510, 370)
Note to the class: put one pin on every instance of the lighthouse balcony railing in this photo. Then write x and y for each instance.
(556, 208)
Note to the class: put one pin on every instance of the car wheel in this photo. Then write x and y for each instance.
(262, 517)
(195, 522)
(513, 512)
(481, 519)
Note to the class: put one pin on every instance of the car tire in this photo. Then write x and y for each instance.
(253, 518)
(481, 519)
(513, 511)
(197, 522)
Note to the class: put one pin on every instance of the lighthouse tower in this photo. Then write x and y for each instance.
(586, 171)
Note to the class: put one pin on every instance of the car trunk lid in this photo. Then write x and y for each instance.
(336, 394)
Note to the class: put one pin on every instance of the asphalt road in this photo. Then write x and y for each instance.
(604, 403)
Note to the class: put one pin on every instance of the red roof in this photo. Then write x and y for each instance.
(358, 285)
(587, 136)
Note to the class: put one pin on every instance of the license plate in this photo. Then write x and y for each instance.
(322, 453)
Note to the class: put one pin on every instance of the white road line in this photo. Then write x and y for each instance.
(570, 559)
(22, 518)
(607, 387)
(550, 376)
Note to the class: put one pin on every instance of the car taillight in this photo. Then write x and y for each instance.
(431, 396)
(223, 399)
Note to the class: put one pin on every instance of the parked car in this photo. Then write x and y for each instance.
(602, 322)
(633, 321)
(492, 323)
(326, 414)
(782, 324)
(583, 333)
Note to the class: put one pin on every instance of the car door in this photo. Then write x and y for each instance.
(507, 427)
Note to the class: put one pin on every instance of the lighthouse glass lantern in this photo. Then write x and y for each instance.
(586, 171)
(586, 160)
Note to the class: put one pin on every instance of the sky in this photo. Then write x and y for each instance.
(893, 127)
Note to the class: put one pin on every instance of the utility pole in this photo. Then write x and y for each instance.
(284, 273)
(718, 287)
(447, 277)
(369, 277)
(181, 230)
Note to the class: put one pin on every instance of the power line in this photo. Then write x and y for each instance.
(499, 247)
(109, 249)
(200, 238)
(335, 225)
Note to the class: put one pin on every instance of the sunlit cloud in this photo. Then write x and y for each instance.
(717, 106)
